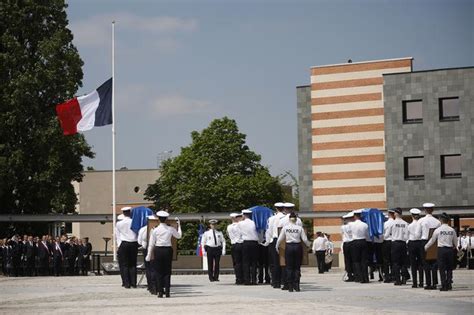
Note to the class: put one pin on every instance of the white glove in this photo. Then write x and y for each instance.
(147, 258)
(223, 253)
(177, 220)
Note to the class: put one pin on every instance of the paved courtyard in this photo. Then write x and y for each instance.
(193, 294)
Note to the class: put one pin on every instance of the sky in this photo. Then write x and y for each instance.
(181, 64)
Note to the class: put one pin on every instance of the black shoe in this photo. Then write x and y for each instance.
(134, 286)
(160, 294)
(387, 281)
(285, 287)
(126, 286)
(297, 288)
(290, 289)
(443, 289)
(397, 283)
(414, 286)
(167, 294)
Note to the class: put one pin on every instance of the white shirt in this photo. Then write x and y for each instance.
(445, 235)
(330, 246)
(346, 233)
(272, 230)
(161, 235)
(207, 239)
(428, 222)
(319, 244)
(398, 230)
(360, 230)
(292, 233)
(142, 240)
(386, 226)
(284, 220)
(463, 242)
(414, 231)
(248, 230)
(123, 231)
(234, 233)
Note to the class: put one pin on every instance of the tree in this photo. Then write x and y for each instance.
(217, 172)
(40, 67)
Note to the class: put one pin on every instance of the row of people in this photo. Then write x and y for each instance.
(45, 256)
(401, 243)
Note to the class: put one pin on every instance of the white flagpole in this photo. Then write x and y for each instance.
(114, 219)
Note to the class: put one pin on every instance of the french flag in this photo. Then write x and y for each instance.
(88, 111)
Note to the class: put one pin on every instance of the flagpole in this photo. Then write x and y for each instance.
(114, 219)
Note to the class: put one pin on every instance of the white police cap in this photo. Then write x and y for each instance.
(162, 214)
(415, 211)
(246, 211)
(288, 205)
(428, 205)
(126, 209)
(358, 211)
(348, 215)
(279, 205)
(234, 215)
(213, 221)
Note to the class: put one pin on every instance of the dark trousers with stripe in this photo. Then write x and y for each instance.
(359, 257)
(446, 265)
(275, 267)
(320, 258)
(149, 272)
(346, 247)
(293, 257)
(387, 260)
(249, 258)
(399, 253)
(263, 264)
(162, 266)
(415, 253)
(430, 267)
(213, 262)
(237, 262)
(129, 252)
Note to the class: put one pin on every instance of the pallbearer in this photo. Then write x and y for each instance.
(213, 243)
(143, 242)
(160, 245)
(249, 250)
(415, 250)
(128, 249)
(236, 241)
(271, 237)
(293, 234)
(447, 240)
(431, 269)
(360, 236)
(398, 232)
(346, 245)
(387, 267)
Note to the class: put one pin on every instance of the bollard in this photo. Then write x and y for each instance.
(98, 264)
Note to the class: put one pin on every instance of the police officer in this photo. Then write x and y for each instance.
(346, 245)
(429, 222)
(447, 241)
(249, 248)
(415, 251)
(387, 248)
(360, 236)
(128, 249)
(236, 241)
(398, 232)
(293, 234)
(213, 243)
(160, 246)
(271, 237)
(143, 242)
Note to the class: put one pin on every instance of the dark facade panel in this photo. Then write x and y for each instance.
(303, 94)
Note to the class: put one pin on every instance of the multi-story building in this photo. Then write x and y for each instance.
(357, 138)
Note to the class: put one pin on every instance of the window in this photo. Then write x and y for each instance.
(451, 166)
(412, 112)
(414, 167)
(449, 108)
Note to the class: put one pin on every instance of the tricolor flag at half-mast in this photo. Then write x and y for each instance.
(88, 111)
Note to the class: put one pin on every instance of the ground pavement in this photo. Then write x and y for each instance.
(194, 294)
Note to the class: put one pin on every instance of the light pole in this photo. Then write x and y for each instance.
(162, 156)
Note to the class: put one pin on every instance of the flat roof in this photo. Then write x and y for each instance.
(303, 86)
(430, 70)
(361, 62)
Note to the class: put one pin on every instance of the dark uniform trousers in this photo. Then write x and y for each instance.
(346, 247)
(236, 252)
(128, 252)
(263, 265)
(359, 258)
(293, 257)
(162, 266)
(249, 259)
(399, 253)
(430, 267)
(275, 267)
(415, 253)
(387, 260)
(320, 257)
(446, 265)
(149, 273)
(213, 262)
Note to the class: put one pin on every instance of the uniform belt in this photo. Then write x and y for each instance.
(129, 242)
(399, 241)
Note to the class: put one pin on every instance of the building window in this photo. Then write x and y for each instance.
(451, 166)
(414, 167)
(449, 108)
(412, 112)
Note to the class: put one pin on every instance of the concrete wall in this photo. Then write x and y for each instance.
(430, 139)
(303, 95)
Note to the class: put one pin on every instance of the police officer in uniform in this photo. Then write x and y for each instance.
(128, 249)
(249, 249)
(236, 241)
(360, 236)
(213, 243)
(447, 240)
(160, 245)
(429, 222)
(415, 251)
(398, 232)
(149, 273)
(271, 237)
(293, 234)
(387, 248)
(346, 245)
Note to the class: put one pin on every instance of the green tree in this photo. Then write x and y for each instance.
(217, 172)
(40, 67)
